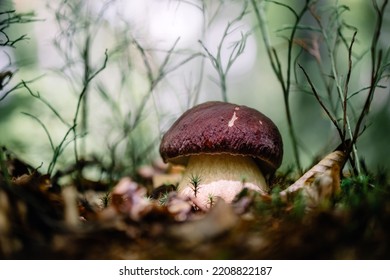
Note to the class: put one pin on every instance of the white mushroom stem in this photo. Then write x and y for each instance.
(221, 175)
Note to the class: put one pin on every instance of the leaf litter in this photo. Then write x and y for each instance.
(316, 217)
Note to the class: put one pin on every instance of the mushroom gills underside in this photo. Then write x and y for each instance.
(208, 176)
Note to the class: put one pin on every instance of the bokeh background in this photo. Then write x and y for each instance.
(158, 66)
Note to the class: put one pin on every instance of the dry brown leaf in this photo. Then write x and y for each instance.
(218, 220)
(130, 198)
(179, 207)
(320, 182)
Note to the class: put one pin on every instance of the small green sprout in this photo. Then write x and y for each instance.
(210, 200)
(163, 200)
(195, 181)
(105, 199)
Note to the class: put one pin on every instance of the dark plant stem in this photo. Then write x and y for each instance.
(322, 104)
(4, 169)
(285, 82)
(375, 67)
(88, 77)
(346, 127)
(84, 112)
(346, 86)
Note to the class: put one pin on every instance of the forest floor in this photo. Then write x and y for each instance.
(40, 219)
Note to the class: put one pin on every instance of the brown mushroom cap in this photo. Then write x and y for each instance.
(223, 128)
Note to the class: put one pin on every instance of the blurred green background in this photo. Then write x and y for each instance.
(158, 66)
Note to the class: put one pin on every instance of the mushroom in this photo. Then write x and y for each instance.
(225, 148)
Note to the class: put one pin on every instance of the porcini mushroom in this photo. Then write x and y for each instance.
(225, 148)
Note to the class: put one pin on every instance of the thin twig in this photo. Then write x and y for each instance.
(317, 96)
(18, 86)
(375, 65)
(46, 102)
(238, 49)
(346, 85)
(89, 78)
(342, 97)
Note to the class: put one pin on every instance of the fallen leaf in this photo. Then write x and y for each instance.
(130, 198)
(218, 220)
(179, 207)
(320, 182)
